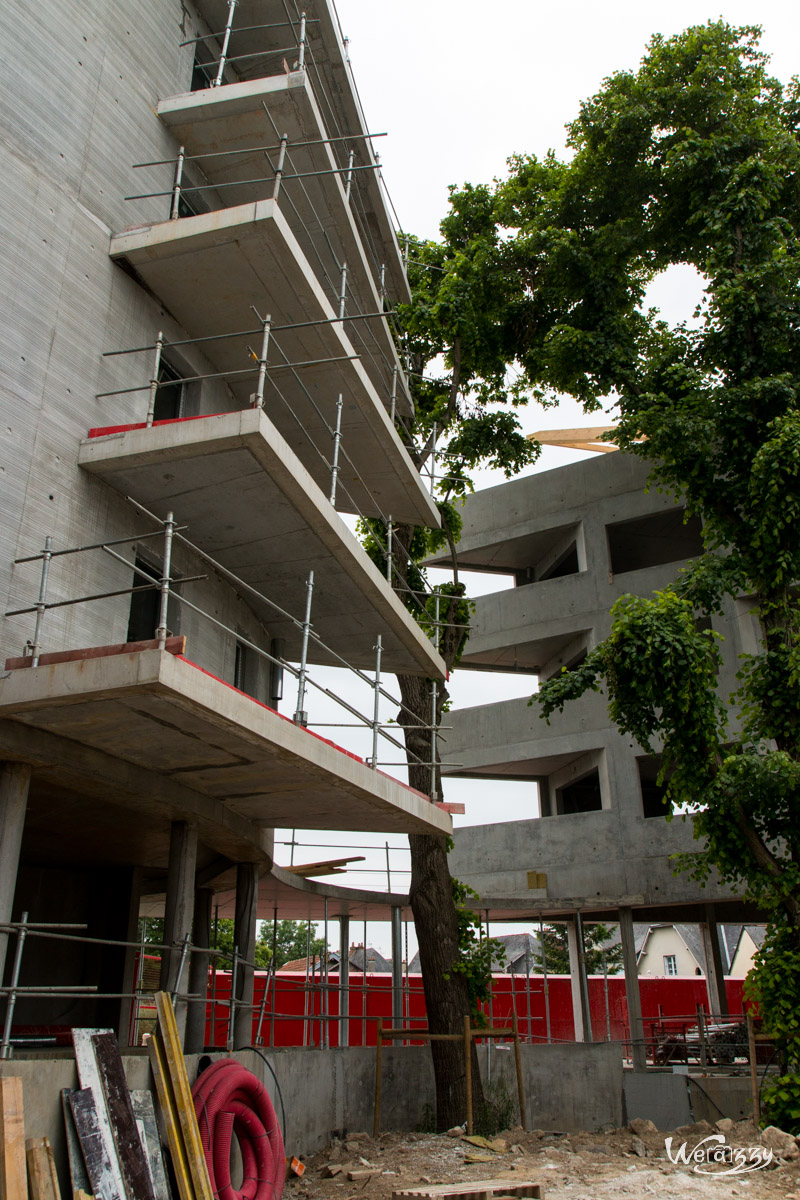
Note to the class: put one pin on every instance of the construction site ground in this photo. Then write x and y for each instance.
(631, 1162)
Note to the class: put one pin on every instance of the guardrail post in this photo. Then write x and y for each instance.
(394, 394)
(176, 186)
(279, 169)
(41, 607)
(151, 407)
(337, 441)
(349, 183)
(389, 539)
(376, 707)
(300, 715)
(224, 55)
(343, 292)
(5, 1048)
(301, 58)
(258, 399)
(163, 608)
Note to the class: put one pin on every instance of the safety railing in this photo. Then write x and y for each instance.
(171, 533)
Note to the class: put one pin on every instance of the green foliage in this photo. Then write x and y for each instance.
(555, 950)
(497, 1111)
(291, 940)
(475, 953)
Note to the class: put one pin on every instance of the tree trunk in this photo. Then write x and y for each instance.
(435, 921)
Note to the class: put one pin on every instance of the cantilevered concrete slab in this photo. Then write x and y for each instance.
(232, 120)
(209, 270)
(254, 508)
(332, 80)
(160, 712)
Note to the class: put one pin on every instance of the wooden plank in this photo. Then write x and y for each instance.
(89, 1076)
(169, 1117)
(145, 1114)
(473, 1189)
(174, 645)
(331, 866)
(79, 1180)
(104, 1181)
(13, 1173)
(132, 1158)
(42, 1178)
(187, 1118)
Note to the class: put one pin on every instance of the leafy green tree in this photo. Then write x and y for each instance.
(692, 160)
(555, 950)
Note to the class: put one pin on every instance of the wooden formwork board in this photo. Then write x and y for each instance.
(475, 1189)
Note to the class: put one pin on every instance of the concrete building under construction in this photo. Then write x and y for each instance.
(198, 377)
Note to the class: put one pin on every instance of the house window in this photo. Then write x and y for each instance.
(670, 964)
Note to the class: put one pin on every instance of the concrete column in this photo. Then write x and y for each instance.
(639, 1051)
(178, 910)
(244, 936)
(715, 968)
(344, 981)
(581, 1013)
(195, 1039)
(15, 780)
(397, 967)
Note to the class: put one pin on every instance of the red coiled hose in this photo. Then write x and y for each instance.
(228, 1100)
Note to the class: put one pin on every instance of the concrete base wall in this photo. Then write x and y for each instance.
(327, 1093)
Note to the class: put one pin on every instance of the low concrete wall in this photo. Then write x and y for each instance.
(671, 1100)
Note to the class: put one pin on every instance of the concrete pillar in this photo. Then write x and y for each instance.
(344, 981)
(639, 1051)
(15, 780)
(244, 936)
(195, 1039)
(178, 911)
(581, 1013)
(397, 967)
(715, 968)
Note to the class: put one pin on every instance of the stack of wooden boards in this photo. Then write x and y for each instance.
(113, 1142)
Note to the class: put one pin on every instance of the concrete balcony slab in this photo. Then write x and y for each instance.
(332, 79)
(209, 270)
(228, 129)
(253, 507)
(160, 714)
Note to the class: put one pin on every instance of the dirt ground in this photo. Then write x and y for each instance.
(630, 1163)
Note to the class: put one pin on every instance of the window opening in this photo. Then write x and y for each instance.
(566, 565)
(653, 540)
(654, 801)
(670, 964)
(169, 396)
(583, 795)
(143, 615)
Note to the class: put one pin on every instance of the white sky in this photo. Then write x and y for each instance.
(460, 86)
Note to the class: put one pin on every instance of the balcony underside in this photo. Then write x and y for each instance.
(251, 505)
(212, 753)
(330, 73)
(232, 118)
(491, 652)
(209, 270)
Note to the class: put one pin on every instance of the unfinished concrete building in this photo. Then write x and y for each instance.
(198, 377)
(574, 539)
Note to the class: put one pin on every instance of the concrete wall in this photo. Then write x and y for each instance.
(661, 943)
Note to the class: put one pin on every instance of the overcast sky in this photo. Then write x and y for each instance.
(460, 86)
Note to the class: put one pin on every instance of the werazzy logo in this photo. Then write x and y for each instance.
(712, 1156)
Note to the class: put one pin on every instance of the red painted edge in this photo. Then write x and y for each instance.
(105, 430)
(452, 806)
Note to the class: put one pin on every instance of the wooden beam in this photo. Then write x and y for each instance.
(42, 1178)
(173, 645)
(331, 866)
(184, 1105)
(13, 1174)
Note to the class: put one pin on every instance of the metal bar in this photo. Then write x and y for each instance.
(5, 1047)
(40, 603)
(274, 969)
(221, 337)
(545, 985)
(206, 37)
(393, 408)
(325, 1040)
(225, 41)
(165, 162)
(388, 872)
(232, 1006)
(349, 184)
(262, 364)
(389, 532)
(337, 441)
(213, 187)
(343, 291)
(279, 169)
(161, 629)
(137, 537)
(151, 406)
(376, 709)
(300, 716)
(301, 61)
(176, 185)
